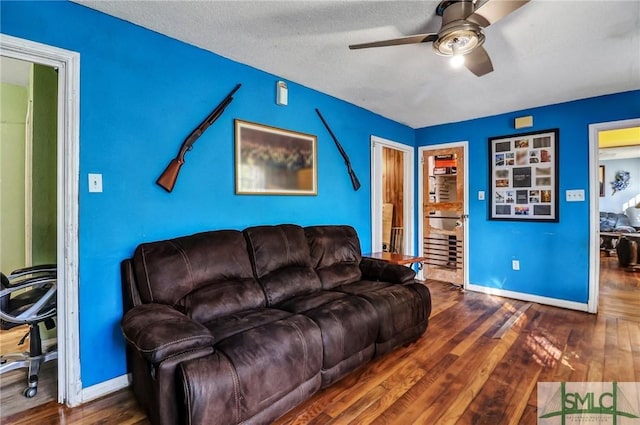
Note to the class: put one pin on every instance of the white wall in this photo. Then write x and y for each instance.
(614, 202)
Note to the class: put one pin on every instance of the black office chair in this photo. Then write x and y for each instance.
(33, 301)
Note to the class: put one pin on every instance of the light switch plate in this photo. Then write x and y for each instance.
(481, 195)
(575, 195)
(95, 183)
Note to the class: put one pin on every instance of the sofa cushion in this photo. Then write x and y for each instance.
(349, 326)
(167, 271)
(362, 286)
(335, 254)
(307, 302)
(224, 327)
(281, 262)
(403, 310)
(615, 222)
(254, 370)
(220, 299)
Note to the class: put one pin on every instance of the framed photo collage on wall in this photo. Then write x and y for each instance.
(523, 172)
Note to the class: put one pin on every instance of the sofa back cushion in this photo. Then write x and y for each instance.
(205, 275)
(281, 262)
(335, 254)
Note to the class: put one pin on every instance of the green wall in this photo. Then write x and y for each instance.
(44, 83)
(13, 112)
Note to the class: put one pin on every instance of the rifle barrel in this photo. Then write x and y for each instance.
(168, 178)
(354, 179)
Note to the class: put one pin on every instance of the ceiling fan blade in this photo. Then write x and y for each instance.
(493, 10)
(478, 61)
(411, 39)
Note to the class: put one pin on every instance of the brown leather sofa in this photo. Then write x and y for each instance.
(229, 327)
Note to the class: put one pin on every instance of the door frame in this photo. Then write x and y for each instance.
(594, 205)
(465, 223)
(408, 216)
(67, 63)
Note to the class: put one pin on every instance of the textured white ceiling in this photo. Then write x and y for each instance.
(546, 52)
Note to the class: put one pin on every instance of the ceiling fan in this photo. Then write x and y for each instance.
(460, 36)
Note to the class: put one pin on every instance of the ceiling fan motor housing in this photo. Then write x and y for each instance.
(457, 35)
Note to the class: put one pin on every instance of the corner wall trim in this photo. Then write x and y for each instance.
(104, 388)
(522, 296)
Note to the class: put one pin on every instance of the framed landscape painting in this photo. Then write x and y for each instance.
(273, 161)
(523, 174)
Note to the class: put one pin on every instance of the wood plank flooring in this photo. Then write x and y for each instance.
(12, 384)
(478, 363)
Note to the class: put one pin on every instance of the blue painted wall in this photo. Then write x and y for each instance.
(554, 257)
(141, 95)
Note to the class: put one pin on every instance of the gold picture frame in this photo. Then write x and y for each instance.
(274, 161)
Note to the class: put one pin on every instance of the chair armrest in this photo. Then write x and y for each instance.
(158, 331)
(41, 309)
(45, 269)
(375, 269)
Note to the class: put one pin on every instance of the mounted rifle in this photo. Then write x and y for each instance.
(168, 178)
(354, 179)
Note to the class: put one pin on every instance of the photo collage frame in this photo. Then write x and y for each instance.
(524, 176)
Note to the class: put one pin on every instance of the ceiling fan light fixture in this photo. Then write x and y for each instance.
(462, 41)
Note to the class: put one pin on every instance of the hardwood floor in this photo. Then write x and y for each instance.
(478, 363)
(12, 384)
(619, 290)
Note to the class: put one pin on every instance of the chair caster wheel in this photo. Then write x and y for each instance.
(30, 392)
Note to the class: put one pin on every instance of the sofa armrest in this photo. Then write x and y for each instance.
(380, 270)
(158, 331)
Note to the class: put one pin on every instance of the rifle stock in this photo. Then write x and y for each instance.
(167, 179)
(354, 179)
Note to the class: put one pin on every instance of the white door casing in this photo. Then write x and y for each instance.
(377, 144)
(594, 203)
(67, 63)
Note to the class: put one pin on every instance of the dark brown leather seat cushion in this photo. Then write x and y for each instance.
(399, 307)
(349, 325)
(307, 302)
(224, 327)
(254, 369)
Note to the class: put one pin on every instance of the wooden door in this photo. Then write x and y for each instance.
(443, 214)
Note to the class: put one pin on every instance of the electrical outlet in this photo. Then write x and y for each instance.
(515, 264)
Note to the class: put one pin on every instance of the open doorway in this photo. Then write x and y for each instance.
(444, 205)
(392, 185)
(67, 66)
(613, 152)
(28, 227)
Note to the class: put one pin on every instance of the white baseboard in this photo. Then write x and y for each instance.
(104, 388)
(522, 296)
